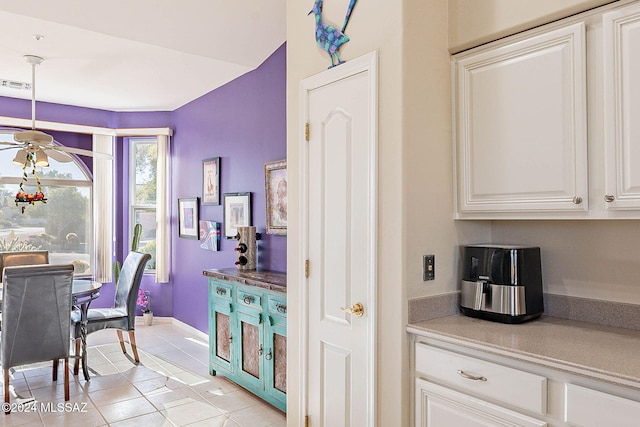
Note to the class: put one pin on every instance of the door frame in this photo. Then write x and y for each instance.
(365, 63)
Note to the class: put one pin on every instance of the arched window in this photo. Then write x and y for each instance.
(63, 225)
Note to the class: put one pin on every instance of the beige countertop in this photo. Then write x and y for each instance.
(589, 349)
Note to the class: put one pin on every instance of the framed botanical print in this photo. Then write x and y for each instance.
(237, 213)
(211, 181)
(188, 218)
(275, 185)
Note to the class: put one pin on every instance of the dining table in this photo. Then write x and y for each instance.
(83, 291)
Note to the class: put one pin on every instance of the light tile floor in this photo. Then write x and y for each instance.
(170, 387)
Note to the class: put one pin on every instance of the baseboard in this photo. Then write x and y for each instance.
(190, 329)
(175, 322)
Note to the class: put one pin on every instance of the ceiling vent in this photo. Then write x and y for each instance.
(12, 84)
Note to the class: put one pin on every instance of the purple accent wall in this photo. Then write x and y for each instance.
(244, 123)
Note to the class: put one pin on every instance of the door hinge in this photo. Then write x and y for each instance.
(306, 268)
(306, 421)
(306, 132)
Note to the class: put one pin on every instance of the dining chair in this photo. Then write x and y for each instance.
(122, 316)
(10, 259)
(36, 303)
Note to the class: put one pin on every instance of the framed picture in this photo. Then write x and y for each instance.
(237, 213)
(275, 185)
(211, 181)
(188, 217)
(210, 235)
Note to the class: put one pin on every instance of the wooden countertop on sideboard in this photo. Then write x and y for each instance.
(266, 279)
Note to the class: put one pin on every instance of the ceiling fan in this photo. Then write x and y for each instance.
(38, 144)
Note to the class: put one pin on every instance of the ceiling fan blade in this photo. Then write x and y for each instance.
(10, 148)
(58, 155)
(81, 151)
(34, 137)
(10, 143)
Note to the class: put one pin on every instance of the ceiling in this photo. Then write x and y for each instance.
(135, 55)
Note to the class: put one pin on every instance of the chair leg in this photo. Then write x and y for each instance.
(76, 362)
(7, 398)
(66, 379)
(56, 363)
(121, 339)
(134, 347)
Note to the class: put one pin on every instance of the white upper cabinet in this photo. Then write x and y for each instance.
(621, 72)
(520, 125)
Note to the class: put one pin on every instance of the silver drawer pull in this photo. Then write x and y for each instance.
(248, 299)
(463, 374)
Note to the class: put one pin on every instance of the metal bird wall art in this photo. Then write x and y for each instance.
(328, 37)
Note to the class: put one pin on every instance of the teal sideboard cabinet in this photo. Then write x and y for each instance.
(248, 330)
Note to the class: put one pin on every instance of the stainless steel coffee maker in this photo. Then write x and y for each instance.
(502, 283)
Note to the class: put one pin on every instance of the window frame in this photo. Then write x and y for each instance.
(133, 207)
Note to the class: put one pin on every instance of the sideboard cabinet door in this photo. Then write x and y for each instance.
(221, 350)
(520, 125)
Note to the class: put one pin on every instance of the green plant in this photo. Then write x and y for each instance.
(135, 242)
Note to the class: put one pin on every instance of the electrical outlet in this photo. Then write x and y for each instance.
(428, 267)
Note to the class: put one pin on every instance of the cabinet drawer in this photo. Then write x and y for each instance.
(221, 291)
(586, 407)
(277, 306)
(483, 379)
(249, 299)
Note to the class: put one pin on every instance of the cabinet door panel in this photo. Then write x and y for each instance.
(521, 125)
(438, 406)
(251, 339)
(250, 349)
(591, 408)
(280, 362)
(223, 336)
(621, 41)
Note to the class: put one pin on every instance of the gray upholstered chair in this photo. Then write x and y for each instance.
(122, 316)
(36, 303)
(10, 259)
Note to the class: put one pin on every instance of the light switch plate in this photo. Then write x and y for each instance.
(428, 267)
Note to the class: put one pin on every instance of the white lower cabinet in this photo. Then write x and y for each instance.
(438, 406)
(457, 386)
(592, 408)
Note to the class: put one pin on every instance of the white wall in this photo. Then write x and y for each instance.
(474, 22)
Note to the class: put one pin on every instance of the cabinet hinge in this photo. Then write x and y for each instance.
(306, 421)
(306, 268)
(306, 132)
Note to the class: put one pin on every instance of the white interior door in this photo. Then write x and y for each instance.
(339, 175)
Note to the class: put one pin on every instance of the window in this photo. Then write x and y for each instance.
(143, 167)
(63, 226)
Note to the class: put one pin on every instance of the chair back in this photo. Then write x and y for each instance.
(36, 304)
(10, 259)
(129, 282)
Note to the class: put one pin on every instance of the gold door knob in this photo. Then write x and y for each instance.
(357, 309)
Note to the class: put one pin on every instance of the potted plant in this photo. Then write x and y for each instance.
(144, 302)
